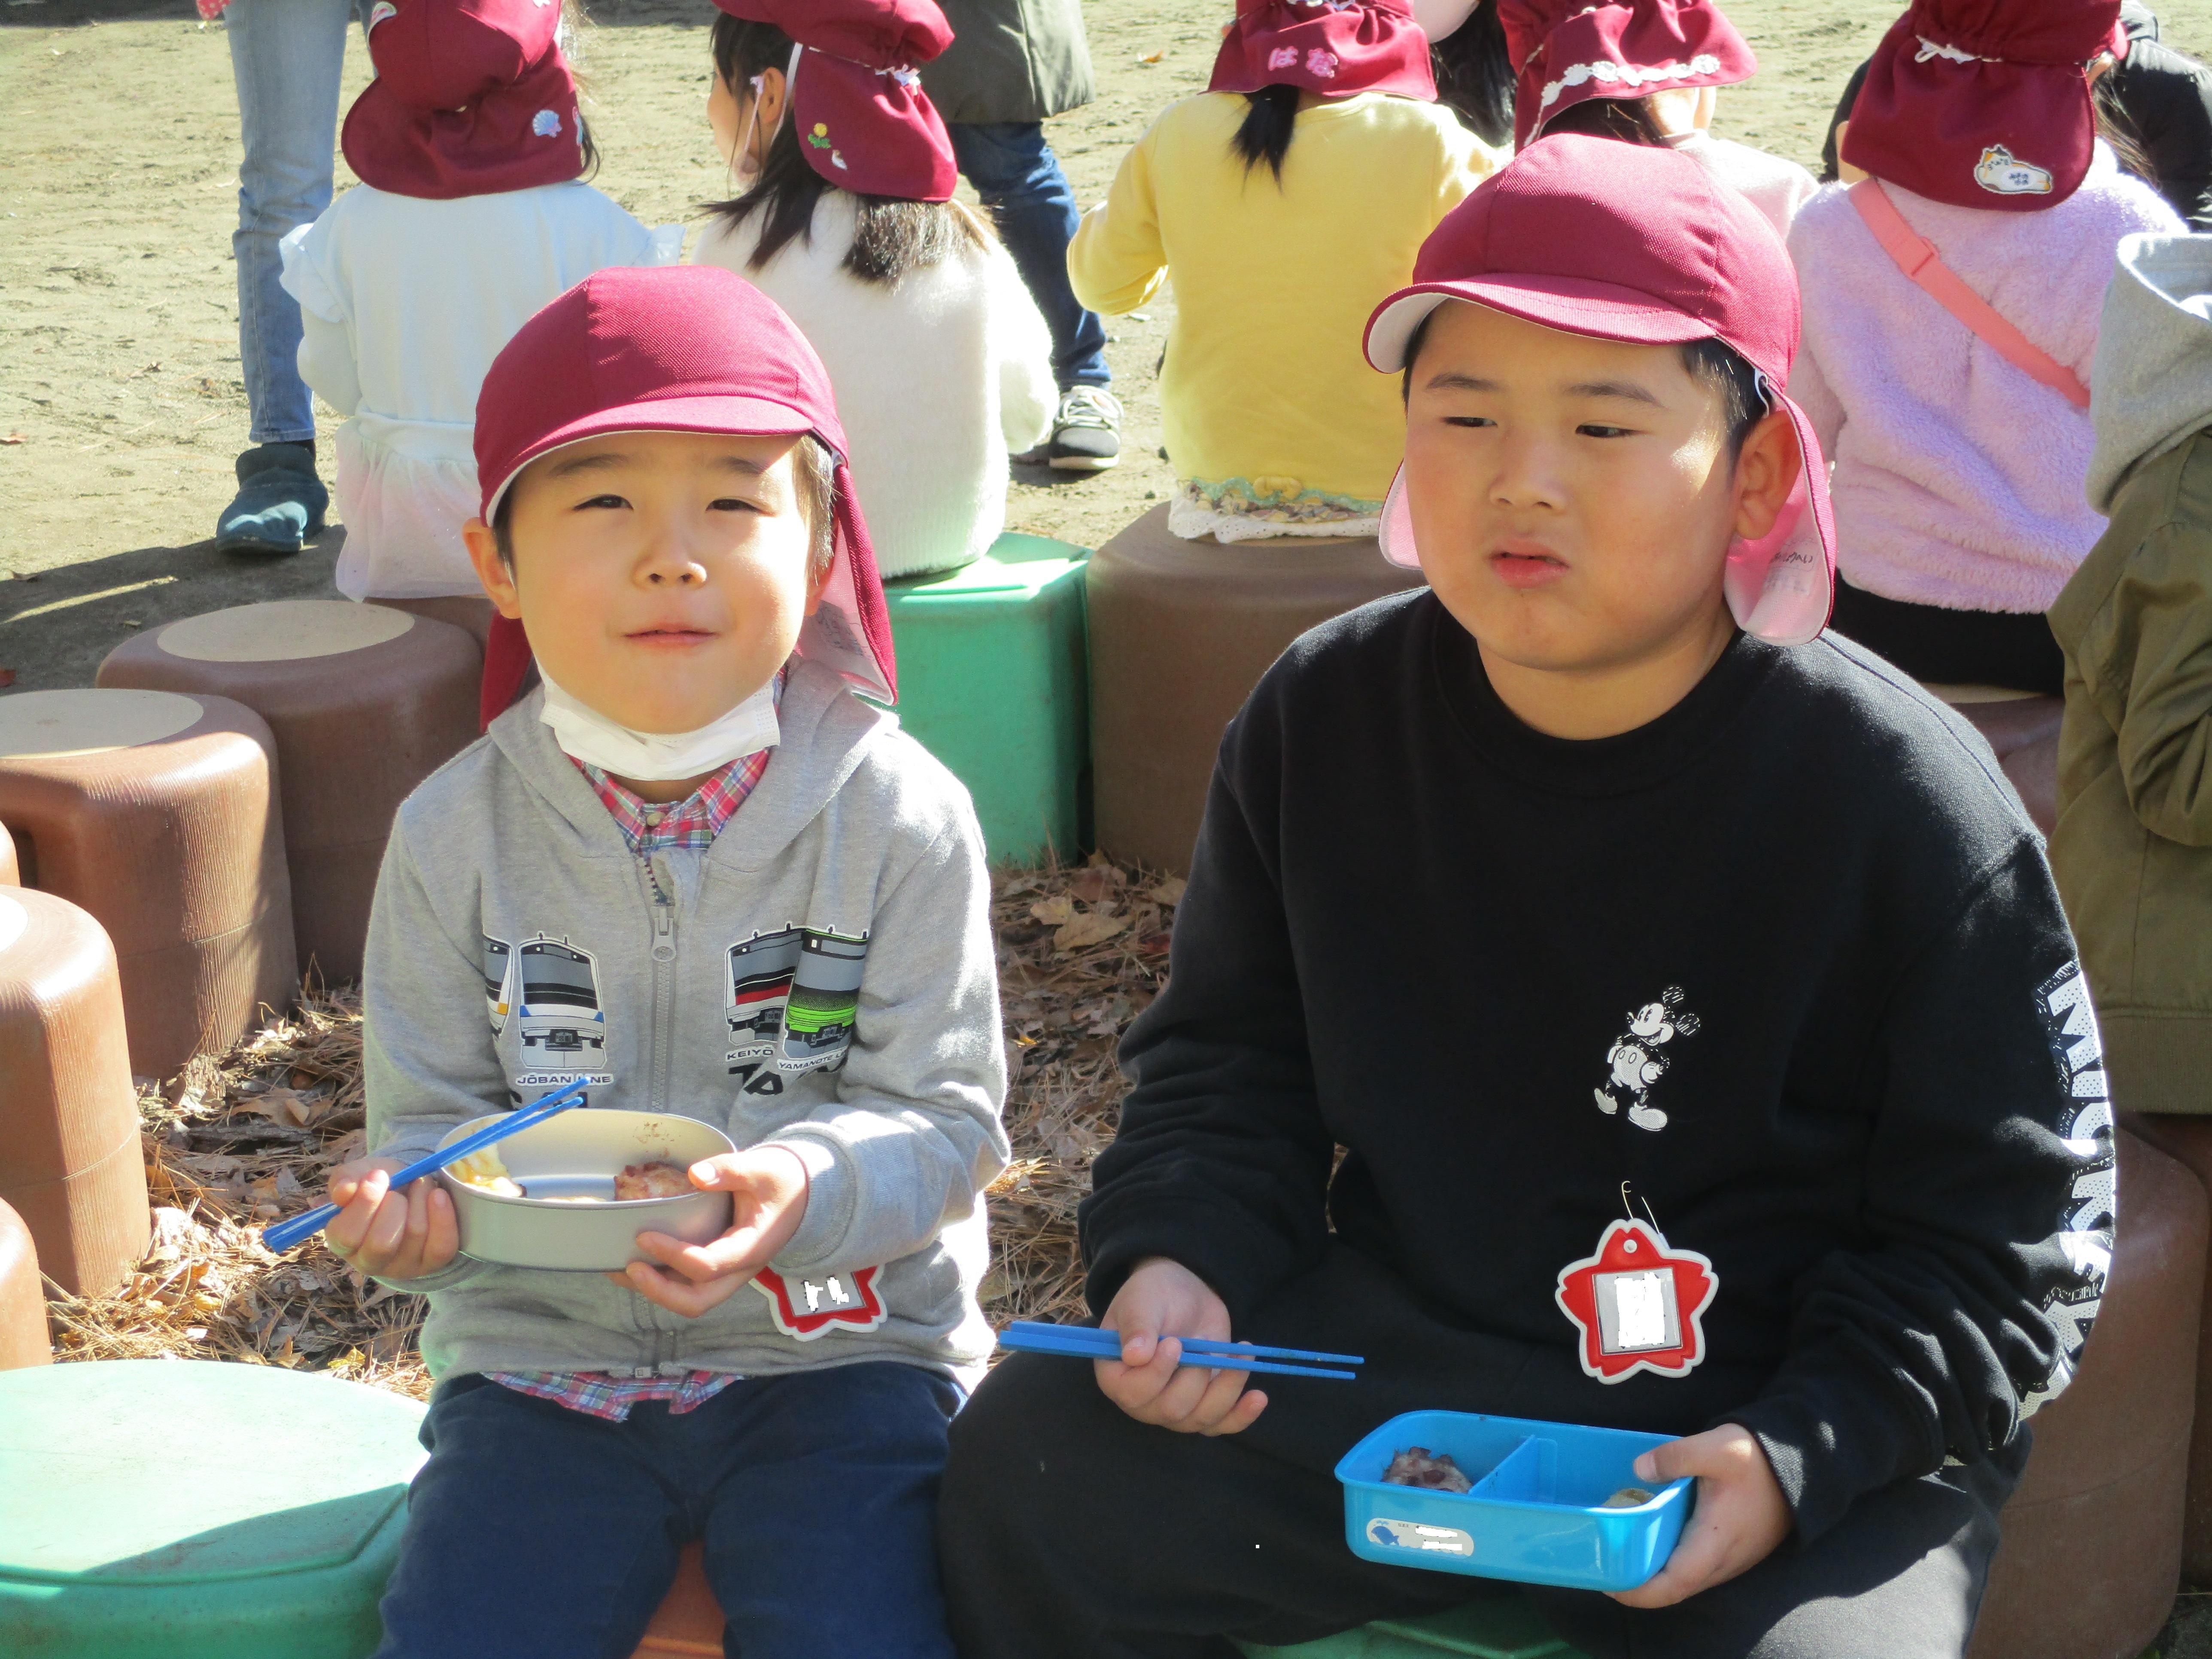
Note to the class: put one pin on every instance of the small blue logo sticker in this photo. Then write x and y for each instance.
(546, 123)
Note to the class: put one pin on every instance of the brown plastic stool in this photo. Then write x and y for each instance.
(2189, 1141)
(1181, 631)
(157, 813)
(366, 702)
(2024, 733)
(472, 612)
(2091, 1550)
(69, 1160)
(689, 1621)
(24, 1339)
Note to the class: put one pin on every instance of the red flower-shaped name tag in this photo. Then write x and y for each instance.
(1637, 1304)
(806, 1308)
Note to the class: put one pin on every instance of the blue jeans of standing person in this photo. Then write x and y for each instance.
(538, 1532)
(1018, 177)
(286, 56)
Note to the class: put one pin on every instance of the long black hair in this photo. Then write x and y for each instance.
(1474, 74)
(891, 235)
(1268, 127)
(1628, 119)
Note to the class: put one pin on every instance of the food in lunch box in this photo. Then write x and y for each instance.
(651, 1181)
(1417, 1466)
(1628, 1498)
(485, 1170)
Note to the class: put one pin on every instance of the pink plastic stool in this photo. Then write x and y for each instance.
(23, 1340)
(70, 1159)
(157, 814)
(365, 702)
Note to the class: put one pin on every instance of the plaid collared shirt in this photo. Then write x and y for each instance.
(650, 828)
(603, 1395)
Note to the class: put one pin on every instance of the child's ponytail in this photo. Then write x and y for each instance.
(892, 234)
(1269, 125)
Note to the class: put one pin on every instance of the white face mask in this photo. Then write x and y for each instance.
(657, 757)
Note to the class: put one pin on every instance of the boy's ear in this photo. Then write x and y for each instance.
(491, 569)
(1766, 472)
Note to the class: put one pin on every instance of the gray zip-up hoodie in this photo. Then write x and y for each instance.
(820, 978)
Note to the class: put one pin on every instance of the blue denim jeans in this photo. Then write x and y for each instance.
(285, 56)
(538, 1532)
(1018, 177)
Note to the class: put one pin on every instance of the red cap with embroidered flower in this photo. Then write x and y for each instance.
(1566, 53)
(676, 349)
(1641, 243)
(1332, 47)
(471, 98)
(864, 121)
(1984, 103)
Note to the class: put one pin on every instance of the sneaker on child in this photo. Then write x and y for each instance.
(1087, 433)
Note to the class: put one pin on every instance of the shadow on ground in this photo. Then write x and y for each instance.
(57, 624)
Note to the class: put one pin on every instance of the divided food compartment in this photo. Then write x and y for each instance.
(1536, 1515)
(577, 1153)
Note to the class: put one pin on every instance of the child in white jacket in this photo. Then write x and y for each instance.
(470, 215)
(941, 362)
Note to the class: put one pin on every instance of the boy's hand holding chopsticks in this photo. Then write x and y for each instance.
(1159, 1304)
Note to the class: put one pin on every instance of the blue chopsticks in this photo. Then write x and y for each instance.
(1082, 1342)
(281, 1235)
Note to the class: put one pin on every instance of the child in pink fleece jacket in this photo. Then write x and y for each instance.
(1958, 478)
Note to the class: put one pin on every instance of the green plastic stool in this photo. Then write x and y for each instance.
(994, 679)
(163, 1509)
(1506, 1627)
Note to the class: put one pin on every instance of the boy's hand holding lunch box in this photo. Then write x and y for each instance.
(403, 1235)
(767, 1187)
(1740, 1519)
(1161, 1301)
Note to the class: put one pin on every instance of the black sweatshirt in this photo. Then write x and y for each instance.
(1788, 960)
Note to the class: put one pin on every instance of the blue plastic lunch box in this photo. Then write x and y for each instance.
(1533, 1516)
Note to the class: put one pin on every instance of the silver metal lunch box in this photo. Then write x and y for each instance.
(578, 1153)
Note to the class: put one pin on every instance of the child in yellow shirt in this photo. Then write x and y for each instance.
(1286, 201)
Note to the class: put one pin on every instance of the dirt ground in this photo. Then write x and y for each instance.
(121, 406)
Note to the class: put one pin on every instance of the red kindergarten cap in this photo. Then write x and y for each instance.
(1984, 103)
(1637, 243)
(676, 349)
(864, 121)
(1566, 53)
(1332, 47)
(471, 98)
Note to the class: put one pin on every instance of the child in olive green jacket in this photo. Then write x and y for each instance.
(2133, 848)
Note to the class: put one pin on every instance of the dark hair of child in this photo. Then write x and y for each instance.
(1723, 368)
(814, 471)
(893, 235)
(1268, 127)
(1628, 119)
(574, 23)
(1474, 74)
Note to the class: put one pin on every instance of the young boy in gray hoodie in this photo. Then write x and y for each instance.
(730, 890)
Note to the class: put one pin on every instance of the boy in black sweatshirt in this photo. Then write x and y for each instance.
(1687, 991)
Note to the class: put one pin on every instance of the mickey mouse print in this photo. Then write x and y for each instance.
(1639, 1059)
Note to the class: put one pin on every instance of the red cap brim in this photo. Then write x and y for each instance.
(736, 416)
(1572, 304)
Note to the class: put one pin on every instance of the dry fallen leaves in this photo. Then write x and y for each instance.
(240, 1140)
